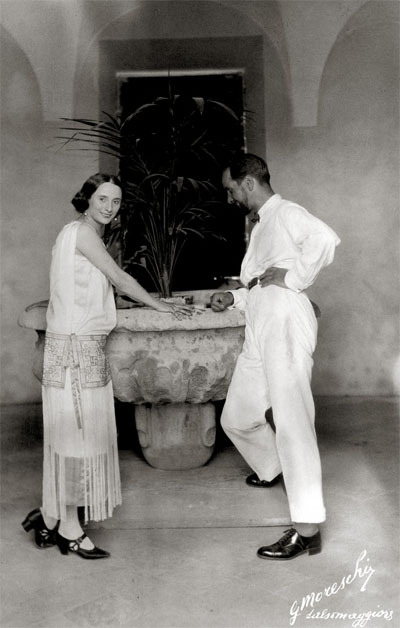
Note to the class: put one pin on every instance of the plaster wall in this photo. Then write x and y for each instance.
(330, 119)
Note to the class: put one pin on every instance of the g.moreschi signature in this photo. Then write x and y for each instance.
(360, 571)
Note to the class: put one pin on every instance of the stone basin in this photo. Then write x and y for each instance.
(171, 371)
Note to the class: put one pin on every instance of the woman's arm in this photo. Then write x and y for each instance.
(91, 246)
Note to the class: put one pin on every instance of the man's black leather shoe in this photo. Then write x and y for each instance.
(292, 544)
(254, 480)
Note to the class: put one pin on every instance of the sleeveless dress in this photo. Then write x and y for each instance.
(80, 462)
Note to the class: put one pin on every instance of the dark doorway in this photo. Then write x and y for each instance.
(203, 263)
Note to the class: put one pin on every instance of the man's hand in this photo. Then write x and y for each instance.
(273, 277)
(221, 300)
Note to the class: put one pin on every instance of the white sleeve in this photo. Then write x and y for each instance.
(239, 298)
(317, 243)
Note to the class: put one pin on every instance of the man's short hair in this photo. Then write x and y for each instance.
(243, 164)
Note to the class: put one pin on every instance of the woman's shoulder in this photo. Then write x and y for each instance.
(70, 226)
(86, 231)
(88, 240)
(79, 228)
(66, 230)
(64, 246)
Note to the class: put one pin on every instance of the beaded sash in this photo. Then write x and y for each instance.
(84, 355)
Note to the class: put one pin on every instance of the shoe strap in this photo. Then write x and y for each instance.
(45, 533)
(74, 544)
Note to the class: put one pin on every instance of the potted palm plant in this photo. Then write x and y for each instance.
(169, 153)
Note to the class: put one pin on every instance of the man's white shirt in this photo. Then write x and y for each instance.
(286, 236)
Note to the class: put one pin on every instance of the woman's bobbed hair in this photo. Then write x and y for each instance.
(81, 198)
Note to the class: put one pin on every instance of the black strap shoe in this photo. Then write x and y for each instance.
(254, 480)
(44, 537)
(74, 546)
(292, 544)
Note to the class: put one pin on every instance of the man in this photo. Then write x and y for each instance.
(288, 247)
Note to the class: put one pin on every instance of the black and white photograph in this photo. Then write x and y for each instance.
(200, 356)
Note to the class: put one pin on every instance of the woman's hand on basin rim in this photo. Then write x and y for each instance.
(176, 309)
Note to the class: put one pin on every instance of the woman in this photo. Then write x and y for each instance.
(80, 466)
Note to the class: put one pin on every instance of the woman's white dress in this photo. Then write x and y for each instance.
(80, 464)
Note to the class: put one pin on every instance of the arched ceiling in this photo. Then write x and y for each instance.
(302, 31)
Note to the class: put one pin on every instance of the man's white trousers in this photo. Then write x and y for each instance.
(274, 370)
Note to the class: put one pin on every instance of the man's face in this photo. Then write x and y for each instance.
(236, 192)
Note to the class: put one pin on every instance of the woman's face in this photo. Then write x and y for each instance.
(104, 203)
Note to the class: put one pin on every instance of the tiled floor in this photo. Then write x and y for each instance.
(183, 544)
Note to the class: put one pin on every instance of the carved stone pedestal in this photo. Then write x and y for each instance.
(176, 435)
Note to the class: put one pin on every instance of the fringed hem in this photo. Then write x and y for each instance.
(80, 464)
(92, 483)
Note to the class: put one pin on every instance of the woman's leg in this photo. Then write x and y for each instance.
(70, 528)
(50, 522)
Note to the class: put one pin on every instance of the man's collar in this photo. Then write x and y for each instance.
(271, 202)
